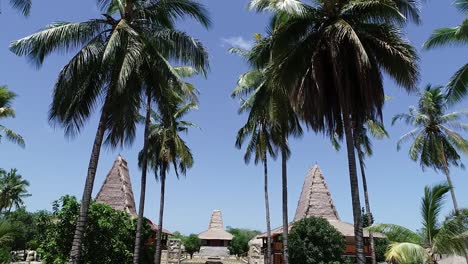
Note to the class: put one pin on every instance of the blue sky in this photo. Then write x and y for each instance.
(56, 165)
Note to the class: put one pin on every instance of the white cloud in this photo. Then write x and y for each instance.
(238, 42)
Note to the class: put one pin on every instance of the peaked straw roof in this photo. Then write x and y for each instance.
(316, 200)
(116, 191)
(215, 228)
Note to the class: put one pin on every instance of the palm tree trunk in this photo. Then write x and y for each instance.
(358, 236)
(452, 192)
(75, 252)
(368, 210)
(144, 169)
(284, 177)
(267, 210)
(157, 253)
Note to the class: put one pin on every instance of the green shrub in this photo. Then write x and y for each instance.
(313, 240)
(109, 236)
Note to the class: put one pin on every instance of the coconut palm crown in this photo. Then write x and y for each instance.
(436, 143)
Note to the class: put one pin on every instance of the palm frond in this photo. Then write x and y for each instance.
(59, 36)
(12, 136)
(406, 253)
(396, 233)
(23, 6)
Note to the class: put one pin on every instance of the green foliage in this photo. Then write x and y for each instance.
(435, 238)
(436, 143)
(6, 98)
(381, 247)
(240, 243)
(457, 86)
(108, 238)
(192, 244)
(31, 228)
(12, 190)
(365, 221)
(313, 240)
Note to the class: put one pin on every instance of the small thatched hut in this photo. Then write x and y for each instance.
(215, 240)
(316, 200)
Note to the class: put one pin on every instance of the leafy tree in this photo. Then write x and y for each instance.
(457, 86)
(436, 142)
(108, 237)
(258, 128)
(31, 228)
(328, 57)
(23, 6)
(192, 244)
(240, 243)
(177, 235)
(7, 235)
(315, 240)
(119, 55)
(434, 239)
(12, 190)
(6, 98)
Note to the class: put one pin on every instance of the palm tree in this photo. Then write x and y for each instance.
(12, 190)
(329, 56)
(6, 97)
(434, 239)
(23, 6)
(363, 147)
(165, 83)
(457, 86)
(118, 54)
(436, 142)
(258, 129)
(283, 122)
(167, 148)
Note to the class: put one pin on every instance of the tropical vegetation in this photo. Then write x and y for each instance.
(166, 148)
(317, 56)
(6, 110)
(458, 83)
(239, 245)
(105, 224)
(120, 57)
(320, 64)
(433, 240)
(436, 143)
(314, 240)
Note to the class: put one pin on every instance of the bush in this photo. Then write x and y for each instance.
(313, 240)
(109, 236)
(240, 242)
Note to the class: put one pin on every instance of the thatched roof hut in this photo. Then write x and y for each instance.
(316, 200)
(116, 191)
(216, 229)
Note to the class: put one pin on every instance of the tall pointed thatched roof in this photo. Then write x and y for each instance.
(215, 228)
(116, 191)
(315, 199)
